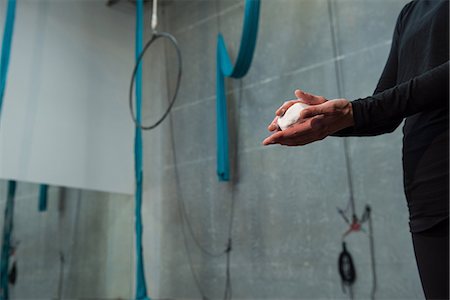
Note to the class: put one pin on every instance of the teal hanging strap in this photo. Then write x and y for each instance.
(226, 69)
(43, 191)
(6, 240)
(6, 47)
(9, 207)
(141, 286)
(4, 63)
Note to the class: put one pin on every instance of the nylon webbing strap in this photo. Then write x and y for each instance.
(43, 191)
(226, 69)
(141, 286)
(6, 47)
(9, 207)
(6, 240)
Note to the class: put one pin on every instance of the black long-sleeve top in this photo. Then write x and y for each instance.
(415, 85)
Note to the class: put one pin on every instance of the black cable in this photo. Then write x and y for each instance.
(228, 293)
(182, 209)
(340, 85)
(155, 36)
(372, 253)
(366, 216)
(61, 275)
(184, 215)
(182, 206)
(186, 221)
(185, 218)
(349, 177)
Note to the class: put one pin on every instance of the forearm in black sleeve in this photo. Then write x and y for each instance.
(427, 91)
(388, 79)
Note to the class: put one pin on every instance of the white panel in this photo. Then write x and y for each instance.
(65, 118)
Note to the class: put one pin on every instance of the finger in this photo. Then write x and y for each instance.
(291, 133)
(298, 135)
(302, 139)
(326, 108)
(288, 133)
(285, 107)
(273, 138)
(289, 143)
(309, 98)
(301, 142)
(296, 142)
(306, 137)
(273, 125)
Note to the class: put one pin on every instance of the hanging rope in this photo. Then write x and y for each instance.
(188, 228)
(136, 81)
(226, 69)
(9, 208)
(6, 47)
(141, 287)
(357, 227)
(354, 223)
(372, 253)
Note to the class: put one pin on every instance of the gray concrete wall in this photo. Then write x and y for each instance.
(286, 231)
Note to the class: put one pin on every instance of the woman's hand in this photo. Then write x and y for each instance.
(302, 97)
(321, 119)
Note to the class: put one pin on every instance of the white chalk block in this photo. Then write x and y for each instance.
(291, 116)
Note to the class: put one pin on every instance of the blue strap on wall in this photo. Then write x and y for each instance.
(43, 191)
(6, 241)
(226, 69)
(9, 207)
(6, 47)
(141, 286)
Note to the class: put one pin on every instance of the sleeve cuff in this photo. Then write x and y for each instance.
(350, 131)
(358, 115)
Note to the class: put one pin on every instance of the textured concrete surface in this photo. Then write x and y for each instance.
(286, 231)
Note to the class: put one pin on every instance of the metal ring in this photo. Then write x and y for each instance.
(155, 36)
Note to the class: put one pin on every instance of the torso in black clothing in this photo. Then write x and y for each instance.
(423, 44)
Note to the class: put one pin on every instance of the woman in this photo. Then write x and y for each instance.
(414, 85)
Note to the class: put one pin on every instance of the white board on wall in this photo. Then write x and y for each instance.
(65, 118)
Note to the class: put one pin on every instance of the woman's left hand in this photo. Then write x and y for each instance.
(320, 120)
